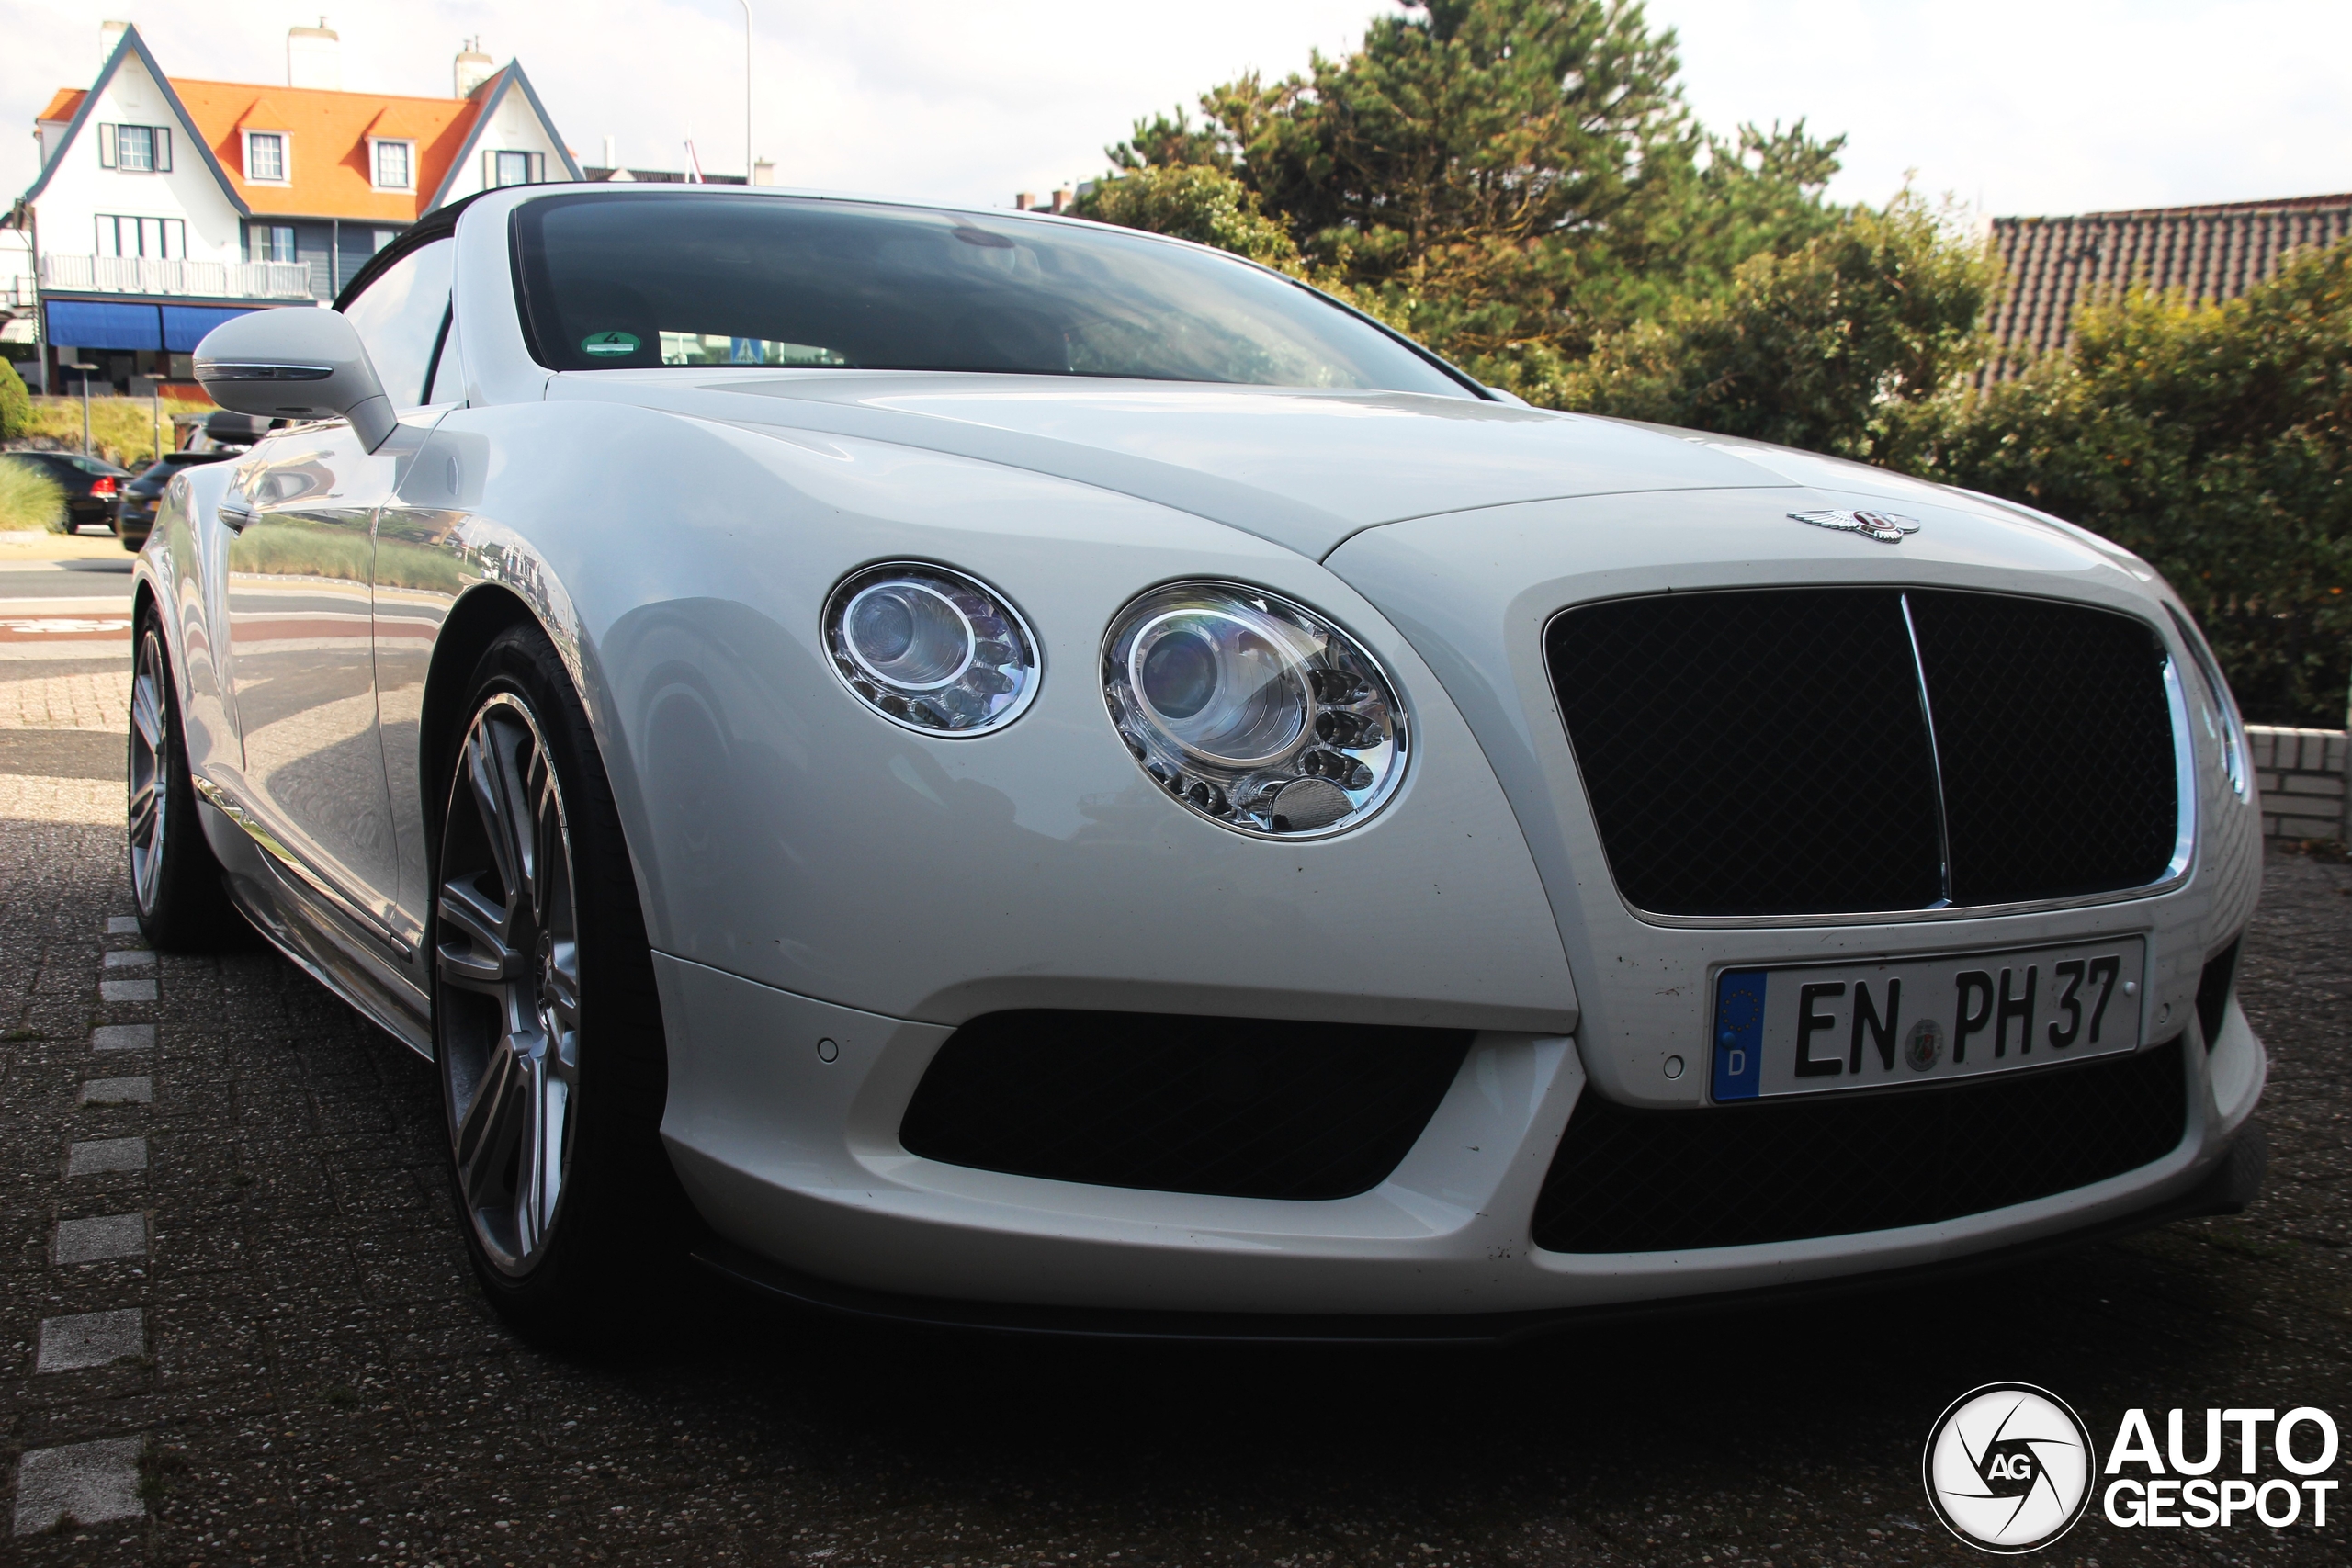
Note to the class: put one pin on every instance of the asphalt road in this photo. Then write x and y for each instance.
(315, 1380)
(108, 580)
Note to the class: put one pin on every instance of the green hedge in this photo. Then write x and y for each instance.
(2217, 443)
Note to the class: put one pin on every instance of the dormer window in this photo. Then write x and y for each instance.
(395, 165)
(265, 157)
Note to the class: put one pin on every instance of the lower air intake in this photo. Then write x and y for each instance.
(1234, 1107)
(1627, 1180)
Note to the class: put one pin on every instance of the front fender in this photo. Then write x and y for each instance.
(784, 833)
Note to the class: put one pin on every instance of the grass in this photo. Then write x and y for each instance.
(30, 499)
(122, 430)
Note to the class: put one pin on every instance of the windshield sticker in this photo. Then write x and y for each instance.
(608, 345)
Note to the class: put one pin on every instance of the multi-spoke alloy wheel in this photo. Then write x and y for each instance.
(173, 879)
(150, 763)
(508, 960)
(547, 1021)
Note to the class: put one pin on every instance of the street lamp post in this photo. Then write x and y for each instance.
(747, 90)
(84, 366)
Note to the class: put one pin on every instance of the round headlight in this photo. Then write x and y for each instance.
(930, 649)
(1252, 710)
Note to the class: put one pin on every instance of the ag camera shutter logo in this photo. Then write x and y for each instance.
(2009, 1467)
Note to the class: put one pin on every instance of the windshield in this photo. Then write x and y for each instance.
(626, 282)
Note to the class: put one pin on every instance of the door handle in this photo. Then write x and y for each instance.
(233, 517)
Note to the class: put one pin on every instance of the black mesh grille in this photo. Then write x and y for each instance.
(1766, 753)
(1753, 753)
(1627, 1180)
(2055, 738)
(1238, 1107)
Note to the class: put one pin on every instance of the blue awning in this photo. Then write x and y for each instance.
(84, 323)
(185, 325)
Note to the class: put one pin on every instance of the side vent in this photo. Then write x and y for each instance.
(2213, 990)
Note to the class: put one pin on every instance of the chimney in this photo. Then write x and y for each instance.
(473, 68)
(1024, 201)
(763, 171)
(110, 39)
(314, 58)
(1061, 201)
(609, 160)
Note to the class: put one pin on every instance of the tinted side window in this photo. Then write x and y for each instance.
(399, 316)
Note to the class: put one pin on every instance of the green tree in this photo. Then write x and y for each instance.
(1836, 346)
(2215, 442)
(1193, 202)
(16, 403)
(1504, 179)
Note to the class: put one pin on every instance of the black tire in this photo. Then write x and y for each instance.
(569, 1030)
(176, 883)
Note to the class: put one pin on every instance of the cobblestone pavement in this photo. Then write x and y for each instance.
(269, 1349)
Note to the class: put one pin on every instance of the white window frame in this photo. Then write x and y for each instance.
(375, 145)
(535, 166)
(169, 236)
(293, 242)
(159, 149)
(285, 158)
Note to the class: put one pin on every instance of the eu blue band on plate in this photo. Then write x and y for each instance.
(1740, 1033)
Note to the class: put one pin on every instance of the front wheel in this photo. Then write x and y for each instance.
(547, 1028)
(174, 881)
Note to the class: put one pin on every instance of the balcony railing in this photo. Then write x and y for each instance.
(145, 275)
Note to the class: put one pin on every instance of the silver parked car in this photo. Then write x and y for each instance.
(981, 767)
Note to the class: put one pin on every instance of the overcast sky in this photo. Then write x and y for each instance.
(2022, 106)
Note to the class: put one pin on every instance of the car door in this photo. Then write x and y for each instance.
(301, 660)
(301, 610)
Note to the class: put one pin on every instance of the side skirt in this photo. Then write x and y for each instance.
(310, 935)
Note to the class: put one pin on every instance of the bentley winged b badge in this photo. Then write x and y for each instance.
(1884, 526)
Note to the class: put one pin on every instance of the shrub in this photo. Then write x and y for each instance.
(122, 430)
(2217, 443)
(16, 403)
(30, 499)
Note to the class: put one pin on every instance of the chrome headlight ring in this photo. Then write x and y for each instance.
(930, 649)
(1253, 710)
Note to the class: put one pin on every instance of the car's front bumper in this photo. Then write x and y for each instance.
(2229, 1185)
(791, 1153)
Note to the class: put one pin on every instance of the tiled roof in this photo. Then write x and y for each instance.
(329, 134)
(2054, 266)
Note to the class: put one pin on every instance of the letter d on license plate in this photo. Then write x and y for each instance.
(1819, 1028)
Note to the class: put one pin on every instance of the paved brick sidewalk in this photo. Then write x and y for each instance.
(314, 1379)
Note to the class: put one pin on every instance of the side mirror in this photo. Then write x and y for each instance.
(296, 363)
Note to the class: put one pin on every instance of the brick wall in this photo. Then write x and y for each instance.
(2300, 773)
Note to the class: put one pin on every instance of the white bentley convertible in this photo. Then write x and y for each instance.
(981, 767)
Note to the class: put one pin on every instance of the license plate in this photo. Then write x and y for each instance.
(1820, 1029)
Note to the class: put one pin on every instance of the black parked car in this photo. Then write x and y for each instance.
(135, 514)
(91, 486)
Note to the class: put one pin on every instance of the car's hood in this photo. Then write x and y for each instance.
(1304, 469)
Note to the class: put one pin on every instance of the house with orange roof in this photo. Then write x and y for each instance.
(166, 205)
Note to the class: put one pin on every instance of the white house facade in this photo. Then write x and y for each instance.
(165, 205)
